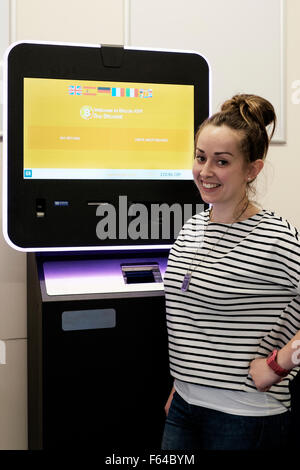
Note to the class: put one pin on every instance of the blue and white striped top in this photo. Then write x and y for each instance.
(243, 299)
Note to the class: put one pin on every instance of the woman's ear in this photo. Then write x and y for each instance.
(254, 169)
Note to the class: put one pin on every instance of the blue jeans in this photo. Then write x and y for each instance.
(190, 427)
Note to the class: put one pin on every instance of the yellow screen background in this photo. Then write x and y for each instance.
(84, 131)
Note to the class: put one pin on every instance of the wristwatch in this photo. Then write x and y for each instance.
(271, 361)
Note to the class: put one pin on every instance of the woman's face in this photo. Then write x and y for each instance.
(220, 169)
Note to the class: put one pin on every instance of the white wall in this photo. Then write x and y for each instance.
(87, 21)
(283, 165)
(101, 21)
(223, 32)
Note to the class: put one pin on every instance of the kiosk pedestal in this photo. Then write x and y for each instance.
(97, 360)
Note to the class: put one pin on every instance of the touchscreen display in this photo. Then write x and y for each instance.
(81, 129)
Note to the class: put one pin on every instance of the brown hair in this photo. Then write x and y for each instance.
(249, 114)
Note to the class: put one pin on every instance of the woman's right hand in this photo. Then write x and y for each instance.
(169, 401)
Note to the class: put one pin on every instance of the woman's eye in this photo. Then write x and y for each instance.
(222, 162)
(200, 158)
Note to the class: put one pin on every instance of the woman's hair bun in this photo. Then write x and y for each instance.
(250, 115)
(251, 108)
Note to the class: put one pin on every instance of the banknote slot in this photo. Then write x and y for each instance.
(141, 273)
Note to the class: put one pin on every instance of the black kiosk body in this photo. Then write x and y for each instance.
(98, 151)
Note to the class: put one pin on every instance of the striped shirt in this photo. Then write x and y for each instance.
(242, 301)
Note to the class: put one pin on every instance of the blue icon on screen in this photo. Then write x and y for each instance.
(27, 173)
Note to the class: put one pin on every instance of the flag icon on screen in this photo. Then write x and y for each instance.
(75, 90)
(89, 90)
(103, 89)
(118, 92)
(132, 92)
(145, 93)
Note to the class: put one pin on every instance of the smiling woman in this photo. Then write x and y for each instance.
(232, 288)
(230, 149)
(222, 176)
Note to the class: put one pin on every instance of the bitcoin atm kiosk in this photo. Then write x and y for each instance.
(98, 150)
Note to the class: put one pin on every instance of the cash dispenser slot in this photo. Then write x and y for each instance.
(141, 273)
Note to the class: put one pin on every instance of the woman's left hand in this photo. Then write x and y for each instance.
(262, 375)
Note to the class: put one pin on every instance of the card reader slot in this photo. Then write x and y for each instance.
(97, 203)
